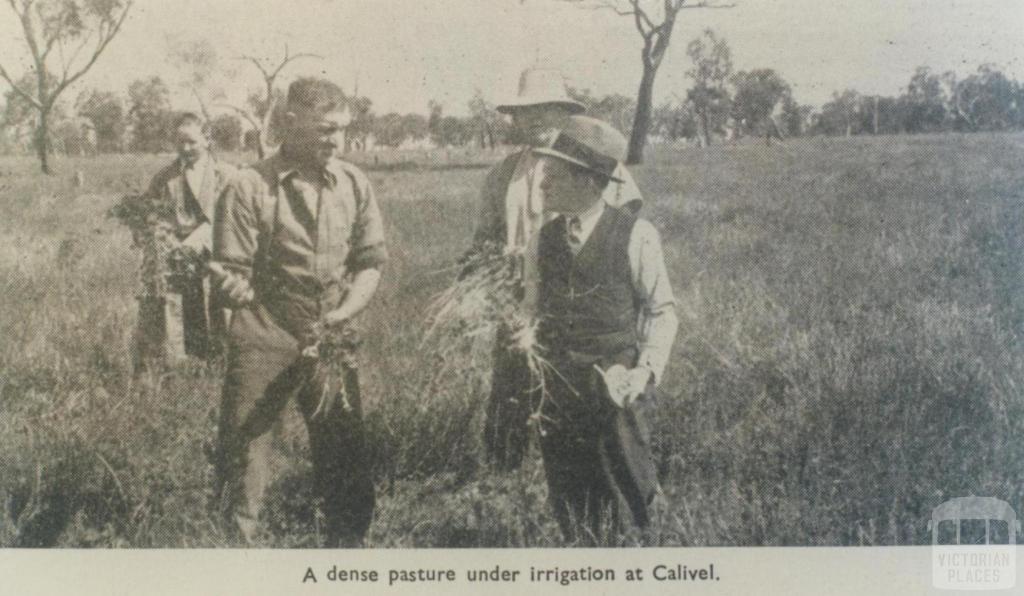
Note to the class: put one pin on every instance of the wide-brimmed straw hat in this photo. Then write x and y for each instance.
(539, 86)
(589, 143)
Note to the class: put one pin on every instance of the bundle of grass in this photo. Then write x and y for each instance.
(334, 353)
(169, 272)
(484, 305)
(167, 264)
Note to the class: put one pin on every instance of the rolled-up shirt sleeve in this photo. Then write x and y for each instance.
(236, 227)
(657, 324)
(368, 250)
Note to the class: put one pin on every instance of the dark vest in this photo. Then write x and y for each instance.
(587, 303)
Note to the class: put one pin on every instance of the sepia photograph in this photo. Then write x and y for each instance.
(511, 274)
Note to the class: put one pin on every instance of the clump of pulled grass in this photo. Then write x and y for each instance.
(482, 306)
(167, 263)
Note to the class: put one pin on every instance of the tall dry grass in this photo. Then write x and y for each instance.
(849, 356)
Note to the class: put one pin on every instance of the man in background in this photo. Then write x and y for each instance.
(186, 189)
(511, 215)
(298, 250)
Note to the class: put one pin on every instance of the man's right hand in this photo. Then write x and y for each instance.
(234, 287)
(201, 239)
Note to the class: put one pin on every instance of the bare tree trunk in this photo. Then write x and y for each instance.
(202, 104)
(43, 141)
(263, 147)
(704, 133)
(642, 120)
(874, 119)
(261, 152)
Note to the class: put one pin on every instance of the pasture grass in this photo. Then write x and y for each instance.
(849, 356)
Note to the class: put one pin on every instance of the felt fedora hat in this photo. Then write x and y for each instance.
(588, 143)
(539, 86)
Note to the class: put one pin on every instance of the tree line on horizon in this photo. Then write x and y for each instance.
(722, 104)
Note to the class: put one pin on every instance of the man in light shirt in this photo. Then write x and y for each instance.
(607, 324)
(298, 249)
(511, 215)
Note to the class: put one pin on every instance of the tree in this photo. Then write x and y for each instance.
(73, 136)
(105, 112)
(615, 109)
(454, 132)
(151, 115)
(674, 122)
(924, 103)
(392, 129)
(387, 129)
(795, 117)
(64, 39)
(490, 127)
(226, 132)
(414, 126)
(447, 131)
(256, 103)
(986, 100)
(21, 117)
(757, 94)
(712, 67)
(877, 114)
(199, 64)
(362, 124)
(263, 103)
(841, 116)
(655, 21)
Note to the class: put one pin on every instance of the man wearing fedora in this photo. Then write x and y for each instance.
(607, 324)
(511, 215)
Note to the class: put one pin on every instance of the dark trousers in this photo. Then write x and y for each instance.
(597, 457)
(191, 322)
(506, 435)
(203, 319)
(258, 385)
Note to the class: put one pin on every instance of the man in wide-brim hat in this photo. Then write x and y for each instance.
(607, 325)
(511, 214)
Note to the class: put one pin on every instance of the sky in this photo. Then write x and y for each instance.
(404, 53)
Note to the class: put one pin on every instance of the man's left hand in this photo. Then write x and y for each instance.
(637, 380)
(625, 385)
(336, 318)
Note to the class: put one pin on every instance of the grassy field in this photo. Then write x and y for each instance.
(850, 355)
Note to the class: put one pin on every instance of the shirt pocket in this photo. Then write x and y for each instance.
(337, 230)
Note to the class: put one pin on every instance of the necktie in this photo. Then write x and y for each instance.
(573, 231)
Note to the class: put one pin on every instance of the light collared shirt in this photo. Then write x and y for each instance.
(298, 234)
(657, 322)
(196, 173)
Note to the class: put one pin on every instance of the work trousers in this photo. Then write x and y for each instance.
(189, 322)
(597, 456)
(509, 406)
(261, 379)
